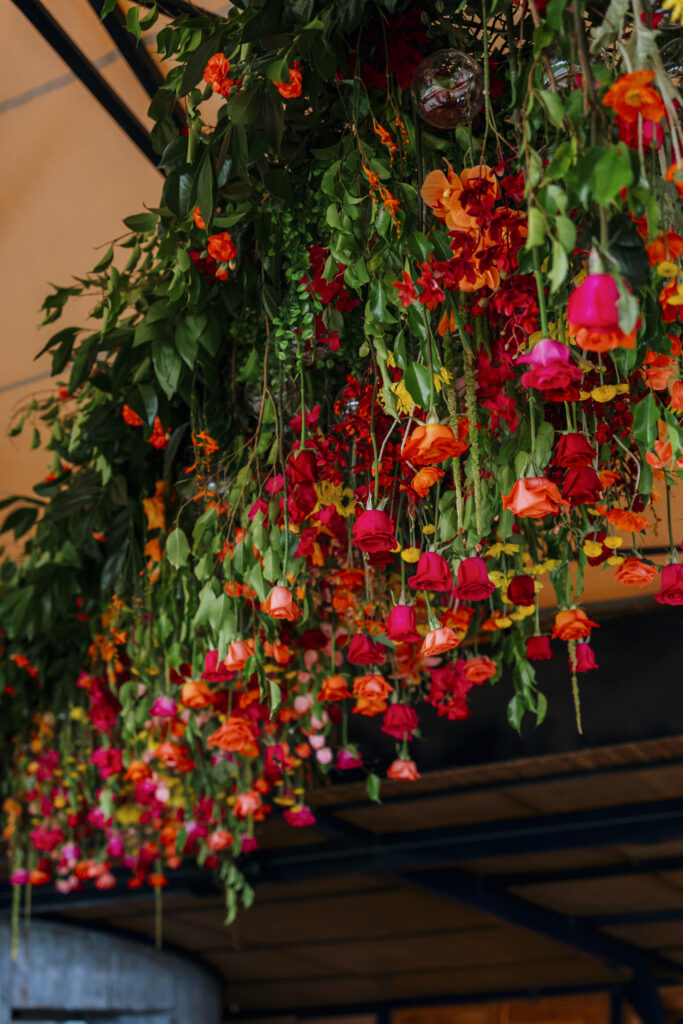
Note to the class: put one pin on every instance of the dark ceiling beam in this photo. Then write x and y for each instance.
(588, 872)
(97, 86)
(654, 821)
(139, 60)
(465, 889)
(172, 8)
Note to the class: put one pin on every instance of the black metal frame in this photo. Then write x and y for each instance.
(53, 34)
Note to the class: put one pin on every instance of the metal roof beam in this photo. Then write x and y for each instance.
(97, 86)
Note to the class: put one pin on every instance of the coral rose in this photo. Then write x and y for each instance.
(438, 641)
(334, 688)
(280, 605)
(672, 585)
(235, 735)
(216, 73)
(436, 442)
(239, 652)
(572, 624)
(291, 89)
(219, 839)
(534, 498)
(402, 770)
(373, 531)
(634, 573)
(247, 803)
(221, 247)
(196, 695)
(371, 692)
(478, 670)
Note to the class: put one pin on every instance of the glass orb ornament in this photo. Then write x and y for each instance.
(448, 89)
(565, 73)
(672, 59)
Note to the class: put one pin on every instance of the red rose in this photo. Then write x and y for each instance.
(521, 590)
(362, 651)
(432, 573)
(538, 648)
(473, 580)
(301, 467)
(585, 658)
(581, 486)
(400, 721)
(401, 625)
(672, 585)
(373, 531)
(573, 450)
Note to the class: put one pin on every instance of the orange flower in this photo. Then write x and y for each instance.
(658, 370)
(334, 688)
(634, 573)
(235, 735)
(436, 442)
(668, 246)
(196, 695)
(439, 191)
(219, 839)
(221, 247)
(131, 417)
(216, 73)
(280, 605)
(137, 771)
(423, 480)
(239, 651)
(159, 438)
(370, 692)
(624, 519)
(608, 477)
(153, 550)
(632, 96)
(448, 196)
(572, 624)
(291, 89)
(478, 670)
(155, 512)
(438, 641)
(247, 803)
(458, 618)
(534, 498)
(677, 396)
(675, 174)
(198, 219)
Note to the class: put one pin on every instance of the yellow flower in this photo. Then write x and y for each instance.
(615, 559)
(605, 393)
(523, 612)
(77, 714)
(404, 402)
(592, 549)
(129, 814)
(496, 550)
(410, 554)
(666, 268)
(613, 542)
(429, 529)
(497, 578)
(503, 621)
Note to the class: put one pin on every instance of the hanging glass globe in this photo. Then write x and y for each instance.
(566, 75)
(448, 89)
(672, 59)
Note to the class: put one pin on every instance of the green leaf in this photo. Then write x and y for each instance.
(194, 69)
(275, 695)
(105, 261)
(205, 189)
(133, 22)
(20, 521)
(559, 267)
(544, 444)
(177, 549)
(516, 711)
(537, 230)
(167, 366)
(273, 116)
(419, 383)
(186, 342)
(566, 232)
(377, 302)
(107, 7)
(264, 23)
(243, 107)
(373, 784)
(141, 222)
(645, 416)
(612, 172)
(554, 107)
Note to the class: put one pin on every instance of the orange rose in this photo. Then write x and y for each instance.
(438, 641)
(436, 442)
(534, 498)
(423, 480)
(634, 573)
(235, 735)
(221, 247)
(137, 771)
(280, 605)
(572, 624)
(219, 839)
(247, 803)
(196, 695)
(632, 96)
(334, 688)
(371, 692)
(478, 670)
(291, 89)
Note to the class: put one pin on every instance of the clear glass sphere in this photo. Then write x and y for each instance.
(448, 89)
(565, 73)
(672, 59)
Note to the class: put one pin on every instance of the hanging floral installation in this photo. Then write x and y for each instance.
(398, 349)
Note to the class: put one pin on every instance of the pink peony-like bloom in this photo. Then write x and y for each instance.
(552, 371)
(163, 707)
(299, 817)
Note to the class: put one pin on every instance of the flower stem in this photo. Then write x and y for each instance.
(471, 405)
(571, 644)
(542, 310)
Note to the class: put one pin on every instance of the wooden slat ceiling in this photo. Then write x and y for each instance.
(367, 937)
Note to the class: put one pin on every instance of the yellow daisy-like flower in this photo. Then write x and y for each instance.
(497, 578)
(496, 550)
(129, 814)
(503, 621)
(404, 403)
(666, 268)
(613, 542)
(77, 714)
(410, 554)
(615, 559)
(429, 529)
(523, 612)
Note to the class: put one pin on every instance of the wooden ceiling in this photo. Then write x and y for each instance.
(345, 918)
